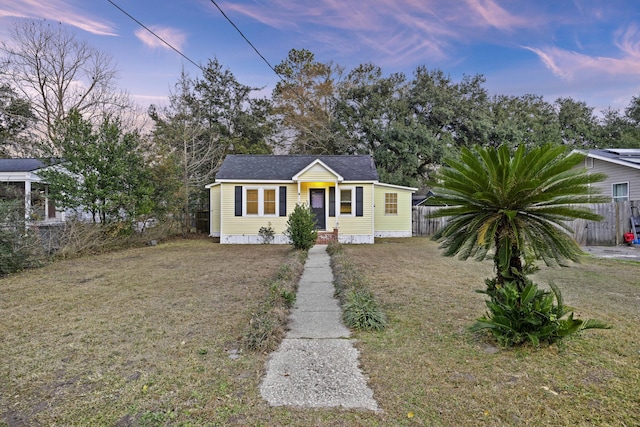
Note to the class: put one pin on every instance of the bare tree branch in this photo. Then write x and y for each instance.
(57, 72)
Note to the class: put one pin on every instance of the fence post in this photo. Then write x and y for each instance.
(617, 224)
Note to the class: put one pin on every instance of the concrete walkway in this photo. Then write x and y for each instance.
(316, 364)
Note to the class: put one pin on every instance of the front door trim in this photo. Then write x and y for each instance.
(318, 203)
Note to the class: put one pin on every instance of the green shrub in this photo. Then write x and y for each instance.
(533, 315)
(20, 246)
(301, 227)
(280, 296)
(266, 234)
(288, 297)
(361, 311)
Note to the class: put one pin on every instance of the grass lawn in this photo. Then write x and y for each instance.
(149, 336)
(428, 364)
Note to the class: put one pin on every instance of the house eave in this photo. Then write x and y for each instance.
(280, 181)
(399, 187)
(614, 161)
(19, 176)
(252, 181)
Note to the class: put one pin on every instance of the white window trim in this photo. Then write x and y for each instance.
(260, 201)
(339, 201)
(588, 162)
(620, 198)
(397, 204)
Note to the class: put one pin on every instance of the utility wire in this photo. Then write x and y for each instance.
(157, 36)
(185, 56)
(245, 38)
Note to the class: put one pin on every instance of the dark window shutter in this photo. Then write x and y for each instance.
(283, 201)
(332, 201)
(359, 197)
(238, 200)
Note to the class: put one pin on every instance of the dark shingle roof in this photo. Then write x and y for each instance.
(272, 167)
(20, 165)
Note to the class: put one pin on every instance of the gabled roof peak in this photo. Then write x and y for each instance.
(317, 162)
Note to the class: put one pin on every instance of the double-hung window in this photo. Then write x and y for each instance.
(261, 201)
(252, 198)
(346, 201)
(269, 201)
(391, 203)
(620, 192)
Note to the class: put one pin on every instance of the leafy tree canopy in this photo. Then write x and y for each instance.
(103, 172)
(16, 116)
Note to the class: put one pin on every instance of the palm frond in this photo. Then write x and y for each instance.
(530, 194)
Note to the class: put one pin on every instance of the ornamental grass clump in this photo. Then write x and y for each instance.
(513, 208)
(266, 327)
(360, 309)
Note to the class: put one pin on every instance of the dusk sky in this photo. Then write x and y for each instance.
(585, 49)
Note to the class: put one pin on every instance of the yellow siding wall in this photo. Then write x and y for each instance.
(358, 225)
(352, 224)
(349, 225)
(243, 225)
(317, 173)
(346, 224)
(214, 208)
(399, 222)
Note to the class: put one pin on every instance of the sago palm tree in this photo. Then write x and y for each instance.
(514, 205)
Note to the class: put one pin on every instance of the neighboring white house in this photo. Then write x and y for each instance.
(19, 178)
(622, 167)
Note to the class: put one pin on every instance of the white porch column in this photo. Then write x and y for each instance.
(373, 210)
(27, 199)
(298, 192)
(46, 202)
(336, 203)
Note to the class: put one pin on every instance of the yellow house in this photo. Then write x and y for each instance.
(255, 191)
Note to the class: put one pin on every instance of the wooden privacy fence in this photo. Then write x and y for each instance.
(608, 232)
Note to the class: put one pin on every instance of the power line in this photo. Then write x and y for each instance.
(157, 36)
(245, 38)
(185, 56)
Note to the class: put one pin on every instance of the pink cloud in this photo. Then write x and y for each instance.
(568, 64)
(489, 13)
(628, 41)
(174, 37)
(398, 30)
(57, 10)
(550, 57)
